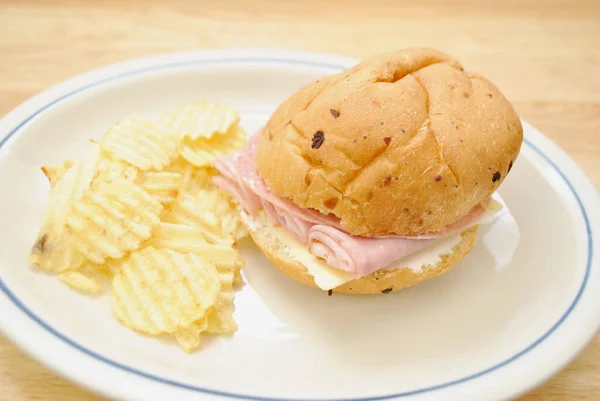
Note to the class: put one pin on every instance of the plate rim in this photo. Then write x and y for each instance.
(136, 67)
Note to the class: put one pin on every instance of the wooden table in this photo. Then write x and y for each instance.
(543, 54)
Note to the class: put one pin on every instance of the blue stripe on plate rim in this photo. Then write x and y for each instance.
(185, 386)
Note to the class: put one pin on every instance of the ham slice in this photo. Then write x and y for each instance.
(238, 169)
(323, 235)
(356, 255)
(229, 182)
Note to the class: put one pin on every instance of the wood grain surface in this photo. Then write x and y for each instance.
(544, 55)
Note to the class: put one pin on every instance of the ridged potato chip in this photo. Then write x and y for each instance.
(52, 249)
(217, 320)
(237, 277)
(200, 120)
(226, 259)
(89, 277)
(71, 187)
(186, 238)
(212, 211)
(189, 337)
(198, 194)
(113, 218)
(236, 229)
(162, 291)
(183, 238)
(196, 178)
(202, 152)
(220, 317)
(141, 143)
(223, 207)
(111, 169)
(107, 170)
(162, 185)
(55, 173)
(187, 211)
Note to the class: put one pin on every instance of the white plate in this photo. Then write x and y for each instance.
(512, 313)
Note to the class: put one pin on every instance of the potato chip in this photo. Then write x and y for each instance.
(226, 259)
(141, 143)
(231, 220)
(162, 185)
(223, 206)
(195, 179)
(89, 277)
(109, 170)
(187, 211)
(161, 291)
(183, 238)
(198, 194)
(75, 181)
(52, 250)
(220, 317)
(200, 120)
(113, 218)
(202, 152)
(189, 337)
(235, 226)
(237, 277)
(228, 262)
(211, 210)
(55, 173)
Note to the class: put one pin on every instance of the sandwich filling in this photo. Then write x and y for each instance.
(323, 235)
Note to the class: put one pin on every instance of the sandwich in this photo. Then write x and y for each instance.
(377, 178)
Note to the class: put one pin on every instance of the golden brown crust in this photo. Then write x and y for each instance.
(380, 282)
(411, 143)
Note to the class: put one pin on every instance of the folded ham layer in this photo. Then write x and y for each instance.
(323, 235)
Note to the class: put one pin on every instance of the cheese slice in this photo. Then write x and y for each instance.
(327, 277)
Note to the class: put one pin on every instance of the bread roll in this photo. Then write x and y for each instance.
(403, 143)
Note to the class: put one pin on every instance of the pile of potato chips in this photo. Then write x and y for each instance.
(138, 213)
